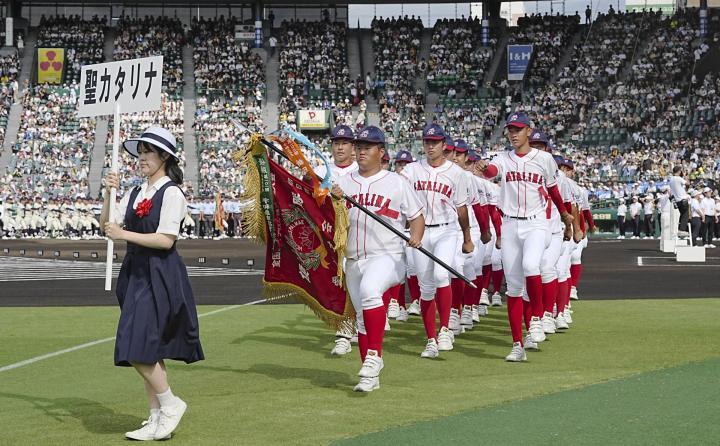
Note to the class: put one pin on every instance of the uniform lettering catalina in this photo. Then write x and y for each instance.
(434, 186)
(524, 176)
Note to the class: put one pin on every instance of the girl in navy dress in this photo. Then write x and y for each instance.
(158, 319)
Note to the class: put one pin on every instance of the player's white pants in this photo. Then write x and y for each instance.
(548, 264)
(523, 243)
(368, 279)
(563, 263)
(410, 261)
(441, 241)
(576, 257)
(466, 264)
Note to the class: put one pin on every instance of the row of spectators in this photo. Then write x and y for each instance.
(396, 46)
(83, 41)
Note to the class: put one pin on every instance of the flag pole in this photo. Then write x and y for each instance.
(113, 197)
(372, 215)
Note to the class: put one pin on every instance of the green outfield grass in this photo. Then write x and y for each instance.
(269, 379)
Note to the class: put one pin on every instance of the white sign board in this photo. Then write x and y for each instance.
(313, 119)
(134, 84)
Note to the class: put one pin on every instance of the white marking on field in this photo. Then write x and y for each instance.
(102, 341)
(640, 261)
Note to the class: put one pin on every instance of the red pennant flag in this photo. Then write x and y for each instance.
(305, 240)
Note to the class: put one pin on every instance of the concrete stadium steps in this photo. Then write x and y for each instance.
(189, 106)
(13, 125)
(424, 53)
(569, 52)
(353, 54)
(101, 127)
(493, 72)
(270, 114)
(367, 58)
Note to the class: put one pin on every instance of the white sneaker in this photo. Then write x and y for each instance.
(444, 340)
(530, 344)
(387, 324)
(466, 320)
(496, 300)
(620, 237)
(484, 297)
(482, 310)
(536, 329)
(402, 315)
(414, 308)
(371, 366)
(170, 417)
(342, 347)
(354, 339)
(393, 309)
(367, 384)
(431, 350)
(568, 317)
(454, 324)
(475, 313)
(561, 323)
(548, 323)
(711, 246)
(517, 354)
(573, 293)
(147, 431)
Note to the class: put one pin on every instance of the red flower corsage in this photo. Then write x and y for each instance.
(143, 208)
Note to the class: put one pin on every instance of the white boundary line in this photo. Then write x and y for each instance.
(102, 341)
(640, 261)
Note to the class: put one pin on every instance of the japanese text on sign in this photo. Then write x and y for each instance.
(135, 84)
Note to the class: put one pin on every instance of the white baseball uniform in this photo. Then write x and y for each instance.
(551, 256)
(584, 205)
(492, 255)
(374, 254)
(442, 190)
(523, 201)
(465, 263)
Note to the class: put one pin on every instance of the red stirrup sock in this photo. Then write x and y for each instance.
(413, 288)
(428, 308)
(458, 289)
(363, 345)
(497, 280)
(533, 285)
(515, 317)
(550, 291)
(375, 327)
(443, 297)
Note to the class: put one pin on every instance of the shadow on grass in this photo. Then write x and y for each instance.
(327, 379)
(94, 417)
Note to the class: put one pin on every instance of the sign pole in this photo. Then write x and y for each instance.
(113, 196)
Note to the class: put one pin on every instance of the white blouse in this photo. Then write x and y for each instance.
(172, 213)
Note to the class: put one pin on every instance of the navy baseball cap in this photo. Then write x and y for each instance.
(518, 119)
(558, 159)
(568, 163)
(403, 156)
(371, 134)
(461, 146)
(342, 132)
(473, 156)
(386, 156)
(449, 143)
(433, 132)
(538, 136)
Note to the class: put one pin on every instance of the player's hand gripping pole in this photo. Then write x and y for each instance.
(370, 214)
(113, 197)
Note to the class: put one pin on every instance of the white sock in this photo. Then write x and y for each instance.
(167, 398)
(154, 413)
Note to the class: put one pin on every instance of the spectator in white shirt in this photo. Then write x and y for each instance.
(621, 213)
(635, 210)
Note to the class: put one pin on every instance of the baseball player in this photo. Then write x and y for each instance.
(492, 261)
(551, 256)
(343, 164)
(635, 210)
(374, 254)
(563, 318)
(586, 225)
(528, 181)
(648, 211)
(621, 213)
(708, 206)
(461, 316)
(443, 190)
(396, 308)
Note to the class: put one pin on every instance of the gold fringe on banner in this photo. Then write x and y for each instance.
(253, 219)
(282, 291)
(342, 225)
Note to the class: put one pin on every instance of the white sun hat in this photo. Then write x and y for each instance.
(156, 136)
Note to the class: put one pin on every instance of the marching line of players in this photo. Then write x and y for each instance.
(519, 217)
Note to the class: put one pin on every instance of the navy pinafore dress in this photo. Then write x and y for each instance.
(158, 318)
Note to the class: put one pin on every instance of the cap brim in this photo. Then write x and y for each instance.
(368, 141)
(335, 138)
(434, 138)
(519, 125)
(131, 146)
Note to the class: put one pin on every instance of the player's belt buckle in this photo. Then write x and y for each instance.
(532, 217)
(437, 225)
